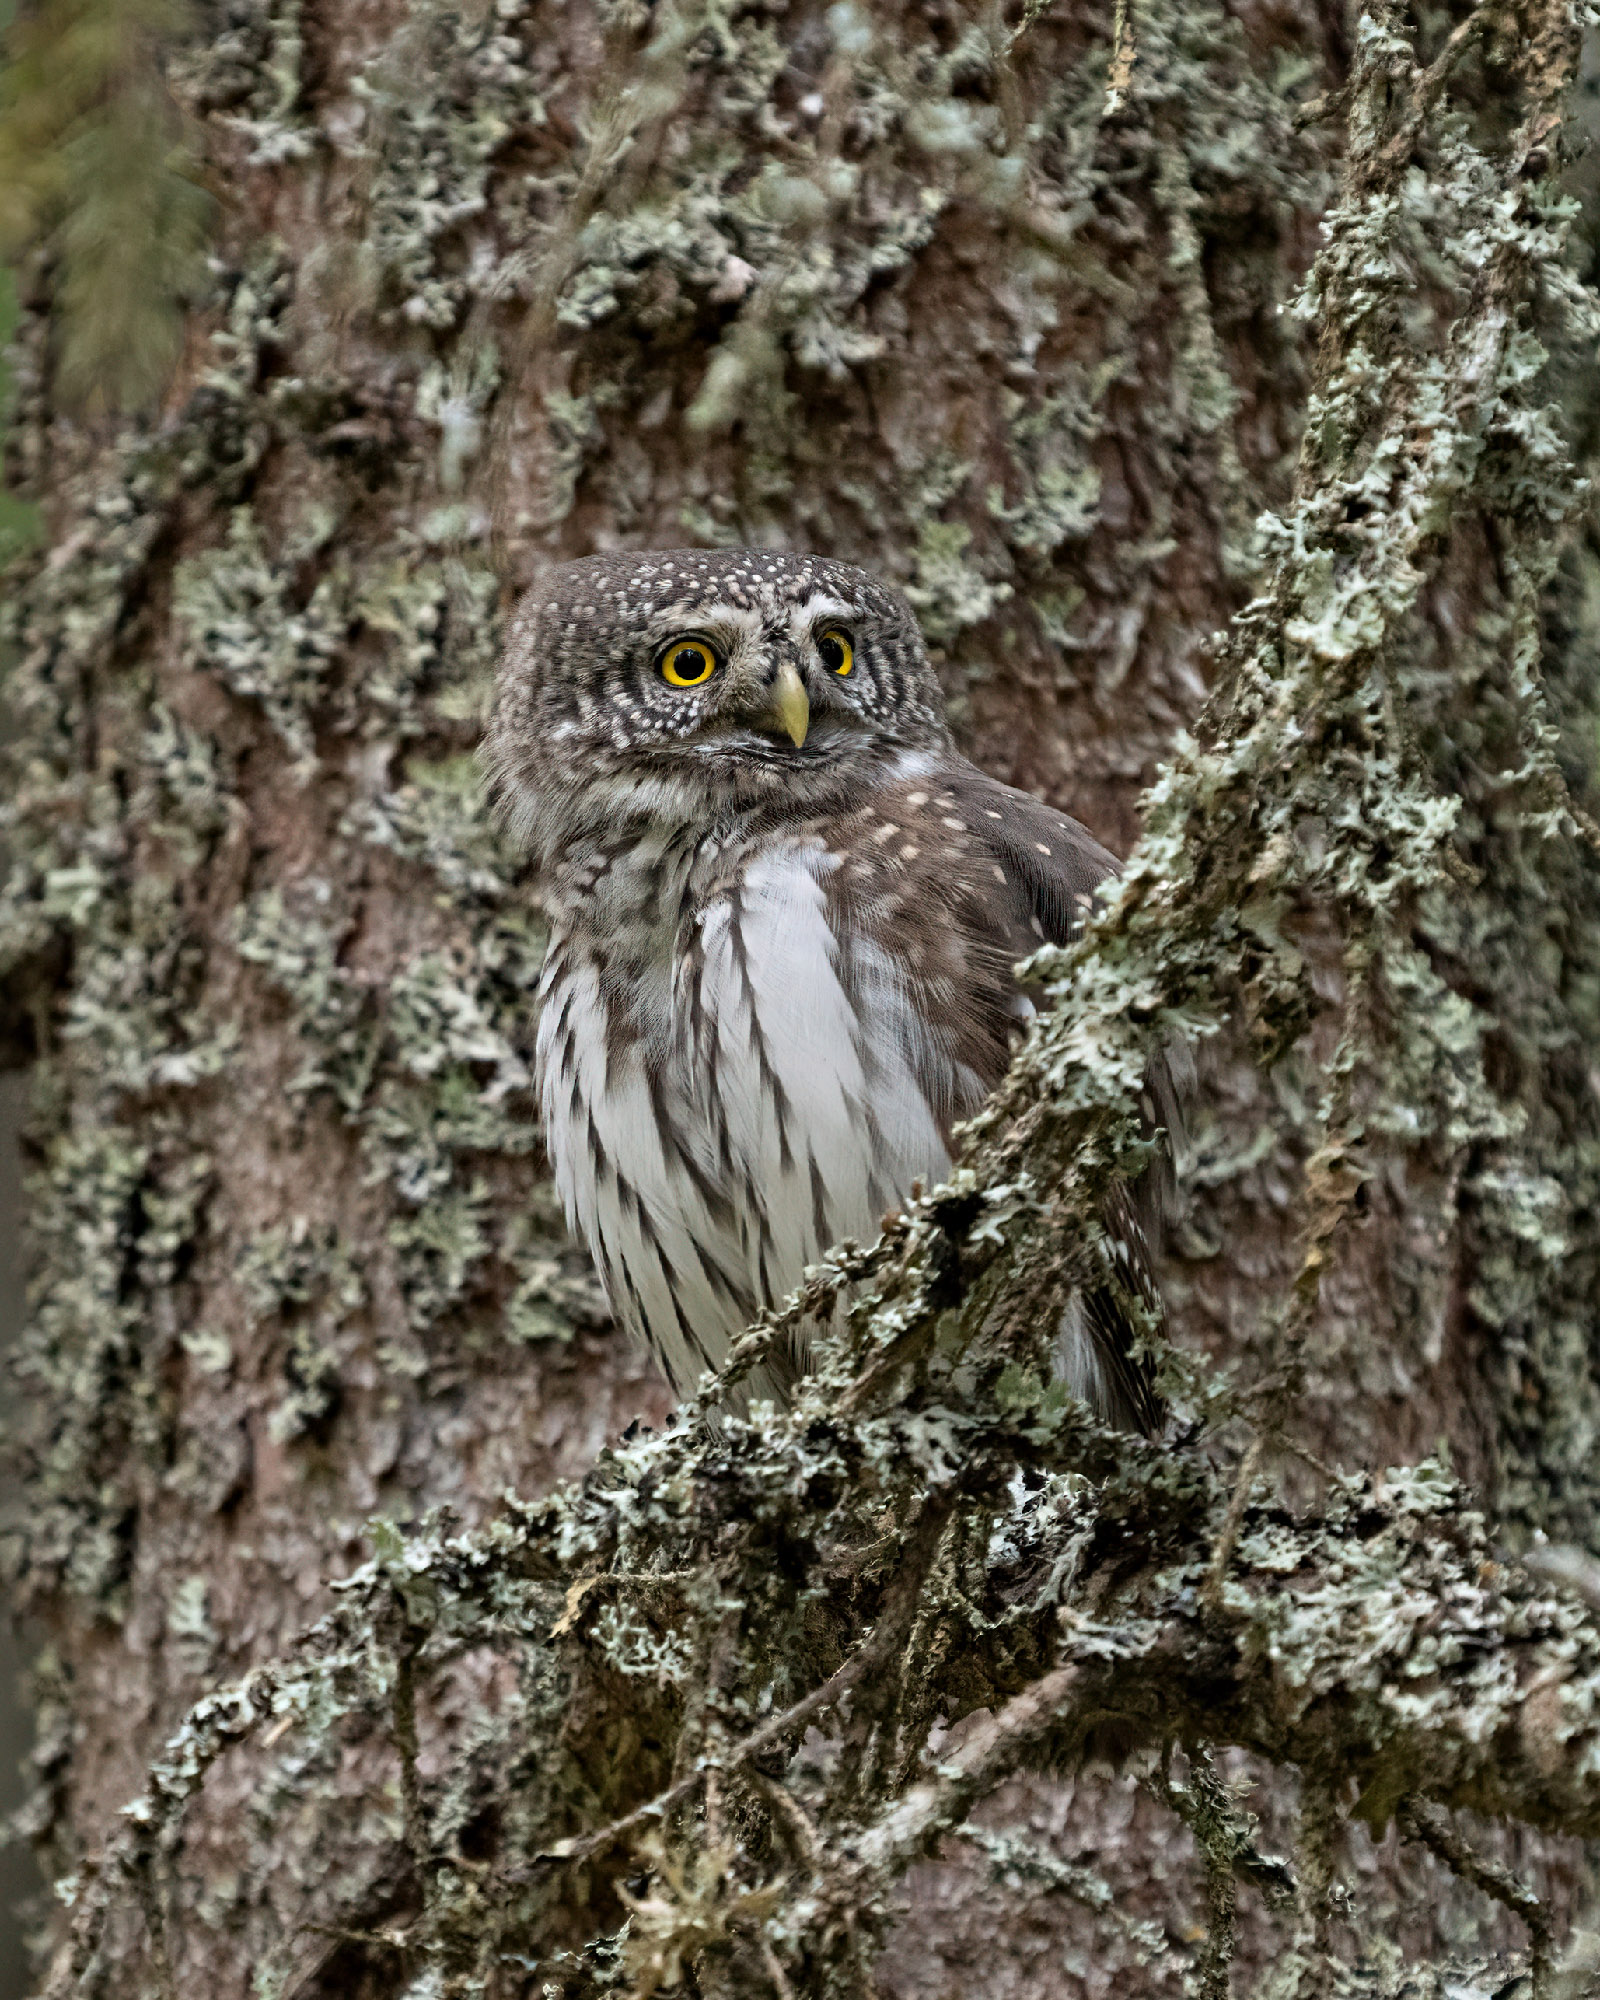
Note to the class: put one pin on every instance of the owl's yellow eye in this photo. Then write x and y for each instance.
(688, 663)
(838, 656)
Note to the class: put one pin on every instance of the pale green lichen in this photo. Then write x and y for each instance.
(1059, 496)
(250, 72)
(300, 953)
(233, 610)
(443, 96)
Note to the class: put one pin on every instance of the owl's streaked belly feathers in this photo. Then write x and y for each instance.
(739, 1091)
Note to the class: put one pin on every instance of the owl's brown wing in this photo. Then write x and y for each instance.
(1057, 864)
(1038, 887)
(1053, 865)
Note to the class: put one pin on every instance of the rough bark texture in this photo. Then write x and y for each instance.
(1012, 307)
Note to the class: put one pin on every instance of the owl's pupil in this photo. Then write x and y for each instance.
(688, 664)
(832, 652)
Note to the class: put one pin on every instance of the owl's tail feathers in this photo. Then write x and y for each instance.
(1096, 1350)
(1169, 1086)
(1095, 1359)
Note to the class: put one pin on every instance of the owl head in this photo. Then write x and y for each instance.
(679, 685)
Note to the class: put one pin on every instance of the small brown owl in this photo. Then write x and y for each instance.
(785, 916)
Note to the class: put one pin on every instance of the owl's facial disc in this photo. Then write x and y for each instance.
(760, 690)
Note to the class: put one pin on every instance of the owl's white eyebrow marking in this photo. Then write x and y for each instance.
(719, 618)
(819, 605)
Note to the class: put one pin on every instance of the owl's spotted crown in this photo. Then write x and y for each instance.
(679, 686)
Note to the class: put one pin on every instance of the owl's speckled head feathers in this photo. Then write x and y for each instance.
(684, 684)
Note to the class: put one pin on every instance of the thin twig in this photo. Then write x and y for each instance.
(901, 1600)
(1419, 1819)
(1437, 74)
(803, 1833)
(772, 1966)
(1206, 1809)
(1227, 1541)
(991, 1753)
(1124, 53)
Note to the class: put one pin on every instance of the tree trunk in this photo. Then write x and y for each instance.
(1002, 305)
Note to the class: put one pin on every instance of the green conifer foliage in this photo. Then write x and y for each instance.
(93, 171)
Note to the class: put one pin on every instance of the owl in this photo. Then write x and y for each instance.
(785, 921)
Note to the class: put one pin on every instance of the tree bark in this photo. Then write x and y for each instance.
(1007, 306)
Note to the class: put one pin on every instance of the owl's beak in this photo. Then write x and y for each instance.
(788, 705)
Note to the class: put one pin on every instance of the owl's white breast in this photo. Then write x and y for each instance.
(731, 1098)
